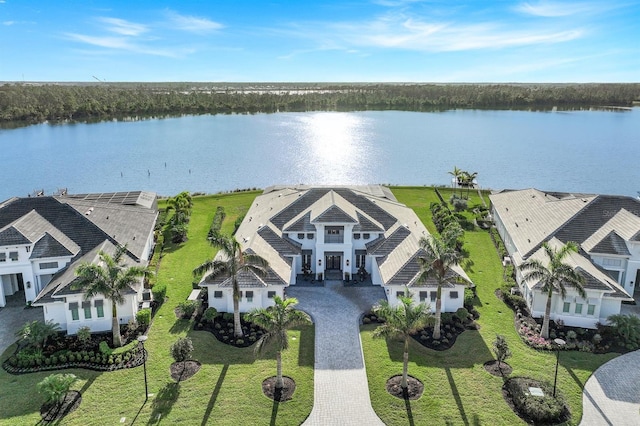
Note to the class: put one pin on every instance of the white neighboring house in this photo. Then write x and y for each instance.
(333, 232)
(606, 227)
(44, 239)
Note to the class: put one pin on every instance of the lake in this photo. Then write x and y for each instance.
(581, 151)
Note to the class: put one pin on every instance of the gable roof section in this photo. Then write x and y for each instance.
(11, 236)
(298, 206)
(284, 247)
(33, 227)
(530, 216)
(365, 225)
(302, 225)
(384, 246)
(623, 224)
(595, 215)
(612, 243)
(334, 214)
(47, 246)
(368, 206)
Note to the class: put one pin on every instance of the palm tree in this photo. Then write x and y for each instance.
(457, 174)
(401, 321)
(468, 180)
(435, 263)
(277, 320)
(554, 276)
(233, 262)
(111, 278)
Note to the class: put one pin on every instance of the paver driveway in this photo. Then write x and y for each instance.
(13, 316)
(611, 396)
(341, 391)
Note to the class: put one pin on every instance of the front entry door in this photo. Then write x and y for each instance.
(333, 262)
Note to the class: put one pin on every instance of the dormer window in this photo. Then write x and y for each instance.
(301, 236)
(356, 236)
(310, 236)
(366, 236)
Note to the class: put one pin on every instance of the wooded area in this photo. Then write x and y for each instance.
(33, 103)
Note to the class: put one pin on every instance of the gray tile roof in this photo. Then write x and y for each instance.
(612, 243)
(11, 236)
(285, 247)
(47, 246)
(387, 245)
(408, 274)
(369, 207)
(298, 206)
(302, 225)
(365, 225)
(334, 214)
(246, 279)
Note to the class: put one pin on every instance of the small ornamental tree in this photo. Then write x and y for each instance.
(56, 386)
(181, 350)
(501, 350)
(84, 336)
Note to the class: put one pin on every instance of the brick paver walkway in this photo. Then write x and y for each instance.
(611, 396)
(13, 316)
(341, 391)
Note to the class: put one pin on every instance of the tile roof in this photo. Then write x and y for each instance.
(302, 225)
(47, 246)
(11, 236)
(612, 243)
(303, 202)
(386, 245)
(334, 214)
(366, 225)
(366, 205)
(284, 246)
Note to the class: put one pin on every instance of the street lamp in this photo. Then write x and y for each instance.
(141, 340)
(559, 343)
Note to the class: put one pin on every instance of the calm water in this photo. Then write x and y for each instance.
(587, 151)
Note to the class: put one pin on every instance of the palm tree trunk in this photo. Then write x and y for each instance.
(436, 327)
(237, 326)
(405, 364)
(547, 314)
(279, 381)
(115, 326)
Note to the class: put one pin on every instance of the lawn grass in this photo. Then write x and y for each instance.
(227, 389)
(457, 388)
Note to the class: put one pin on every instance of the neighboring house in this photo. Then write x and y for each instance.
(333, 232)
(43, 239)
(606, 227)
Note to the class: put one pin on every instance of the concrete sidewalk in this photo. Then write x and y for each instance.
(611, 396)
(341, 390)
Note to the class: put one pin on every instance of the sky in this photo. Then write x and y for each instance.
(320, 41)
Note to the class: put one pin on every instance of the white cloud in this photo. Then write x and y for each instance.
(193, 24)
(399, 32)
(7, 23)
(124, 44)
(550, 9)
(123, 27)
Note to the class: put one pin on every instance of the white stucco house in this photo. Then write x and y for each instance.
(43, 239)
(606, 227)
(332, 232)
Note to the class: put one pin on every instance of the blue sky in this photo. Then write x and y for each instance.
(334, 41)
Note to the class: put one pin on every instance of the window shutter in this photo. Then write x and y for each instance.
(73, 306)
(97, 303)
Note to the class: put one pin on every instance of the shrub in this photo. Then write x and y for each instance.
(218, 218)
(540, 409)
(571, 335)
(596, 339)
(72, 357)
(143, 317)
(462, 314)
(104, 348)
(181, 349)
(240, 342)
(159, 292)
(501, 349)
(210, 314)
(459, 204)
(84, 335)
(55, 387)
(188, 308)
(626, 330)
(63, 359)
(227, 316)
(469, 298)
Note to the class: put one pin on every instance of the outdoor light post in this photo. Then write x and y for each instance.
(559, 343)
(143, 339)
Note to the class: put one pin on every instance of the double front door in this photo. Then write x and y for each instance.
(333, 261)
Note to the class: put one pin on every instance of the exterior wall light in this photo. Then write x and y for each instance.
(319, 262)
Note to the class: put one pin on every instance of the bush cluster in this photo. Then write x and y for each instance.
(539, 409)
(218, 218)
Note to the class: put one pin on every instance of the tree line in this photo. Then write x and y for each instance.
(34, 103)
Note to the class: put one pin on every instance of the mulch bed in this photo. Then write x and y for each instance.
(55, 412)
(181, 371)
(499, 370)
(280, 395)
(223, 330)
(566, 415)
(414, 387)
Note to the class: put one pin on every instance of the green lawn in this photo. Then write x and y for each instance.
(227, 389)
(457, 388)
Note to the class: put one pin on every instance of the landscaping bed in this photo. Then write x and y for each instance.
(222, 327)
(545, 409)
